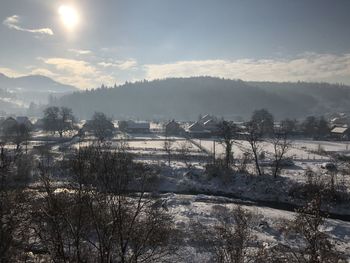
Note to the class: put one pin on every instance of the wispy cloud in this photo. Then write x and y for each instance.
(306, 67)
(121, 64)
(12, 22)
(128, 64)
(80, 51)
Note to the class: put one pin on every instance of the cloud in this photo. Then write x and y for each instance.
(128, 64)
(306, 67)
(80, 51)
(43, 72)
(121, 64)
(72, 66)
(84, 74)
(12, 22)
(79, 73)
(10, 72)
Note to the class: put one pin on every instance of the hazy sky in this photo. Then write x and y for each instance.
(89, 42)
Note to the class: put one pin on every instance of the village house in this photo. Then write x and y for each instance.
(206, 118)
(173, 128)
(340, 133)
(341, 119)
(134, 127)
(211, 125)
(206, 126)
(197, 130)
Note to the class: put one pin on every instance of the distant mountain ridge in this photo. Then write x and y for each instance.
(34, 83)
(17, 93)
(186, 98)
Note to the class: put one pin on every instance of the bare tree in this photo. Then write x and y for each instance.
(7, 224)
(13, 227)
(227, 133)
(264, 121)
(51, 118)
(229, 239)
(66, 121)
(129, 228)
(308, 223)
(101, 126)
(244, 160)
(58, 120)
(17, 134)
(185, 153)
(105, 214)
(253, 137)
(60, 222)
(167, 146)
(281, 145)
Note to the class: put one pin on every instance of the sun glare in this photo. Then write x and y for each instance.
(69, 16)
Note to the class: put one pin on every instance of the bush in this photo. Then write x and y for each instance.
(218, 170)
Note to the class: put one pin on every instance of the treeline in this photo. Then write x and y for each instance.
(186, 98)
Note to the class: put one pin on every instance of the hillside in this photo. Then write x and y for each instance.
(186, 98)
(16, 93)
(32, 83)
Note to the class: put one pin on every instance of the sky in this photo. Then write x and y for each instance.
(87, 43)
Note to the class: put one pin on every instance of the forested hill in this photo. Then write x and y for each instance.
(186, 98)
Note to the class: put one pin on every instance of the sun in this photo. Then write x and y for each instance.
(69, 16)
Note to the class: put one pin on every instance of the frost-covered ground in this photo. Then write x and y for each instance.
(190, 177)
(269, 224)
(186, 176)
(178, 178)
(300, 149)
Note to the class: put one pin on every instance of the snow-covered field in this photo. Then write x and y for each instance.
(150, 148)
(300, 149)
(190, 177)
(268, 225)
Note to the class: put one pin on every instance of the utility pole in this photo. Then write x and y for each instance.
(214, 153)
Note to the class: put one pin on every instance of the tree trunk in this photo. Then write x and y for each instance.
(257, 163)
